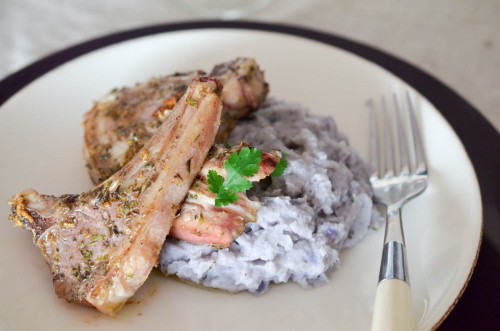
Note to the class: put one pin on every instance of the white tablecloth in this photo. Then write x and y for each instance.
(458, 41)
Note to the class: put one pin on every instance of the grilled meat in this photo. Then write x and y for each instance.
(200, 222)
(124, 120)
(102, 244)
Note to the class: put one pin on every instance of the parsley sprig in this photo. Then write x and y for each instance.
(281, 166)
(239, 166)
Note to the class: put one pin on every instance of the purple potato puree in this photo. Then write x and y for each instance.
(320, 205)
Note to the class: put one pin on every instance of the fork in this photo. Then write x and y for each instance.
(400, 175)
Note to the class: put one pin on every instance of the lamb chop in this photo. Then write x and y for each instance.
(102, 244)
(124, 120)
(200, 222)
(120, 123)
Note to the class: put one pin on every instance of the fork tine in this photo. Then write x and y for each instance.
(388, 142)
(404, 157)
(374, 145)
(421, 165)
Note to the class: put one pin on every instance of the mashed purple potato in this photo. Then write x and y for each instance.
(320, 205)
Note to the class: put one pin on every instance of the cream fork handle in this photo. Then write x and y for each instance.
(393, 311)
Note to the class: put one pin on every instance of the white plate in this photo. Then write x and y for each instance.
(41, 147)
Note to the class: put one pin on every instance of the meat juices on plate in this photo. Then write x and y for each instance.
(102, 244)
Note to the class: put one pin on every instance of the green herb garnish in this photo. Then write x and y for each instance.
(281, 166)
(239, 166)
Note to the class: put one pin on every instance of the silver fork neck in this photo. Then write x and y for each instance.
(394, 226)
